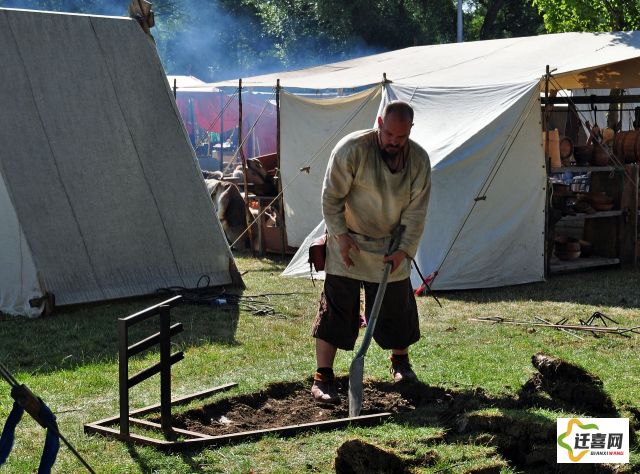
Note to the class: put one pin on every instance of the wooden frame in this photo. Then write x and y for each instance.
(107, 426)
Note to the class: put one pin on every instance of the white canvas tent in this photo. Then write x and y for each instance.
(100, 193)
(478, 115)
(486, 212)
(186, 82)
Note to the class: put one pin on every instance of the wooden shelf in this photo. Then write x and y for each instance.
(613, 234)
(556, 265)
(582, 169)
(583, 215)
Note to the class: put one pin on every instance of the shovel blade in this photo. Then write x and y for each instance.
(356, 376)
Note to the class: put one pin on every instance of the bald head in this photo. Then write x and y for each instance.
(394, 127)
(399, 109)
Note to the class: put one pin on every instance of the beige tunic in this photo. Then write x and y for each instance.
(360, 195)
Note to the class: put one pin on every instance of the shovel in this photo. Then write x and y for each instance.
(356, 372)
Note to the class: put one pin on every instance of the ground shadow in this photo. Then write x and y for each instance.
(598, 288)
(77, 335)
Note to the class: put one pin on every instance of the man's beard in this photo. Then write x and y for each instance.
(389, 155)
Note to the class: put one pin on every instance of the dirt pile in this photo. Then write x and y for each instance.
(570, 384)
(358, 457)
(286, 404)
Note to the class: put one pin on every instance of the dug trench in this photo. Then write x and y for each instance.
(523, 440)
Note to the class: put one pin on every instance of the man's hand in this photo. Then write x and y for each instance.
(346, 243)
(396, 258)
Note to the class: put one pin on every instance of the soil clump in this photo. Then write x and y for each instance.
(570, 384)
(525, 440)
(358, 457)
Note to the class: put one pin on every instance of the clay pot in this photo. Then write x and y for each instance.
(627, 145)
(602, 207)
(585, 248)
(583, 154)
(566, 148)
(601, 155)
(560, 239)
(562, 190)
(566, 246)
(608, 135)
(595, 198)
(567, 255)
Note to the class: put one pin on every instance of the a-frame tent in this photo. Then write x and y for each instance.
(478, 115)
(100, 193)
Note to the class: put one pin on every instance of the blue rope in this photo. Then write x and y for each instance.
(8, 432)
(51, 443)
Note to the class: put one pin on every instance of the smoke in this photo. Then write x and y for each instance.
(212, 43)
(224, 40)
(214, 40)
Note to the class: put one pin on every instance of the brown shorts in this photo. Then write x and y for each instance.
(338, 318)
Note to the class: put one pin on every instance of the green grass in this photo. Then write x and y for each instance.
(70, 361)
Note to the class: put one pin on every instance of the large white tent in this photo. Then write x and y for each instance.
(578, 60)
(478, 115)
(100, 193)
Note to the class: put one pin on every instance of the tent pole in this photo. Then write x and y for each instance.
(545, 117)
(192, 121)
(281, 200)
(244, 167)
(221, 131)
(175, 88)
(547, 227)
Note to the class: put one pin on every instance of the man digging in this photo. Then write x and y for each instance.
(376, 180)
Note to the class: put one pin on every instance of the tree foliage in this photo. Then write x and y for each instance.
(589, 15)
(492, 19)
(339, 29)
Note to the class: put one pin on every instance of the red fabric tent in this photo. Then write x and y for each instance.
(202, 104)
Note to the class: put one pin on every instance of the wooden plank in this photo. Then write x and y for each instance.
(123, 376)
(150, 311)
(204, 440)
(186, 399)
(152, 340)
(592, 99)
(166, 360)
(629, 202)
(364, 420)
(596, 215)
(144, 440)
(158, 426)
(580, 263)
(154, 369)
(583, 169)
(176, 401)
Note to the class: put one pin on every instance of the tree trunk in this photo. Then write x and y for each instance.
(488, 25)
